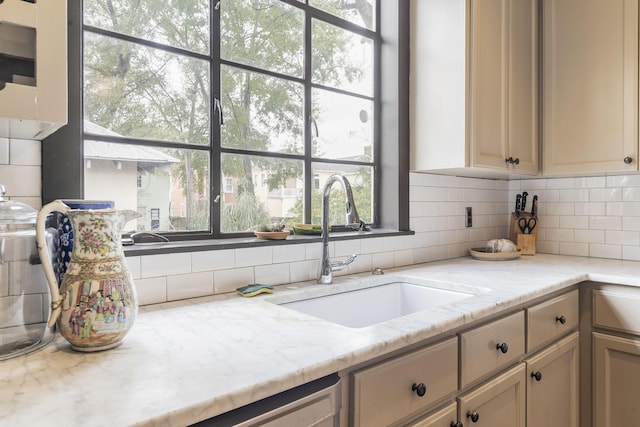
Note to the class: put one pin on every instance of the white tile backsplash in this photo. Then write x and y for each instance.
(25, 152)
(165, 264)
(213, 260)
(272, 274)
(191, 285)
(151, 291)
(591, 216)
(21, 180)
(254, 256)
(4, 151)
(229, 280)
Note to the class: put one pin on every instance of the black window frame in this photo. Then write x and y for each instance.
(62, 152)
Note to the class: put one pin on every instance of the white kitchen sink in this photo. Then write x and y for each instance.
(358, 308)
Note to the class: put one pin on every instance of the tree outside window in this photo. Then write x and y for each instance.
(187, 116)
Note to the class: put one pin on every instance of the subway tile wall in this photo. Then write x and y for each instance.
(595, 217)
(437, 215)
(24, 294)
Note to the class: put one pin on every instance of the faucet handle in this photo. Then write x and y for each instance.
(339, 265)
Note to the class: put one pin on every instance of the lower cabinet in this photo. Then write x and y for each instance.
(386, 393)
(498, 403)
(487, 375)
(445, 417)
(616, 381)
(616, 356)
(552, 385)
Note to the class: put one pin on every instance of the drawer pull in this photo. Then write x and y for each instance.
(561, 319)
(456, 424)
(537, 375)
(420, 389)
(474, 416)
(503, 347)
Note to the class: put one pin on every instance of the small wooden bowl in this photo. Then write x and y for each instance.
(271, 235)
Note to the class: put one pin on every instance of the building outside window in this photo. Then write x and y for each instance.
(188, 113)
(177, 97)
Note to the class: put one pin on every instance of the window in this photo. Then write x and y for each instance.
(192, 98)
(228, 185)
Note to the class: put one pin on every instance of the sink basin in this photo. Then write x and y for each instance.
(358, 308)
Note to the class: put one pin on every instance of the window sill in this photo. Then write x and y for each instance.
(157, 248)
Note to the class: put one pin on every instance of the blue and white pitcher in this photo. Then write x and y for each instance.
(96, 304)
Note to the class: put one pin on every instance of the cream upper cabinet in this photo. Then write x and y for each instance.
(474, 103)
(590, 86)
(33, 77)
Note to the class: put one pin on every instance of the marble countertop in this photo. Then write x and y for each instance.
(187, 361)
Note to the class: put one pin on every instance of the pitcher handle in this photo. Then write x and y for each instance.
(43, 251)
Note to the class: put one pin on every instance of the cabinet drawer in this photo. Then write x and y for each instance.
(490, 347)
(383, 395)
(617, 309)
(552, 319)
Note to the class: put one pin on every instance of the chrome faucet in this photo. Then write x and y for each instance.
(326, 267)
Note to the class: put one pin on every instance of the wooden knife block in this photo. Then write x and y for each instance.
(526, 242)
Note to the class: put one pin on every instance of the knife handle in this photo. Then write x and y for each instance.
(518, 198)
(534, 207)
(523, 205)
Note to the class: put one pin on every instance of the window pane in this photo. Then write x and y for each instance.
(344, 126)
(263, 190)
(360, 12)
(361, 180)
(145, 93)
(267, 34)
(341, 59)
(261, 112)
(169, 187)
(183, 24)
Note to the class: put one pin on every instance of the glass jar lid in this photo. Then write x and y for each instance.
(12, 212)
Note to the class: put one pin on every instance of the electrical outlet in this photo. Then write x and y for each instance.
(469, 217)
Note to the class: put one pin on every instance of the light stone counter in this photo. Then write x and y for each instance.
(187, 361)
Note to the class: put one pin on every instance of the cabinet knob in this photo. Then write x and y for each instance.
(473, 415)
(561, 319)
(628, 160)
(420, 389)
(456, 424)
(511, 161)
(537, 375)
(503, 347)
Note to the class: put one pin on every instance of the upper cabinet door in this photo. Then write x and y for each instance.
(504, 89)
(474, 91)
(523, 86)
(590, 86)
(489, 78)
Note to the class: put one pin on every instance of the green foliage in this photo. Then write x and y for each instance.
(243, 214)
(146, 93)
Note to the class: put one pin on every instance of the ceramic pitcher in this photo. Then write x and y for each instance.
(96, 303)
